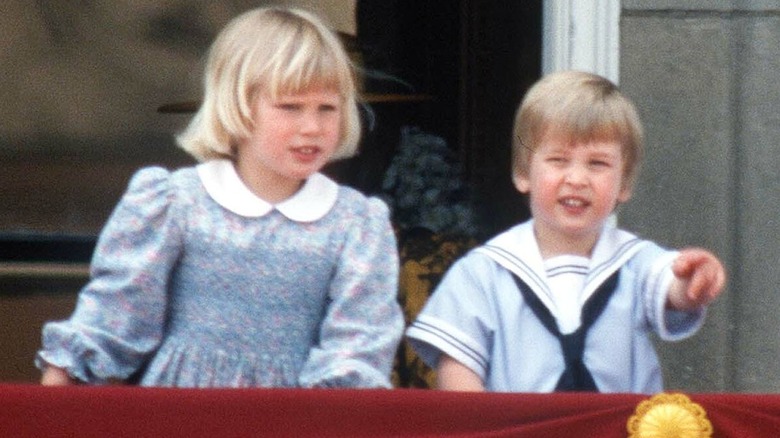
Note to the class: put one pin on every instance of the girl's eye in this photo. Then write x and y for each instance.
(288, 106)
(328, 108)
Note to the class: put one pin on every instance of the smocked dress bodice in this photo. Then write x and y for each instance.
(195, 282)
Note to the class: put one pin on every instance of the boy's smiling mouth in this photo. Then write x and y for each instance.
(574, 202)
(574, 205)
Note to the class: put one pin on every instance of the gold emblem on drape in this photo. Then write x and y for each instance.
(669, 416)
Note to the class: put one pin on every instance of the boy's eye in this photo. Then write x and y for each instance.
(601, 163)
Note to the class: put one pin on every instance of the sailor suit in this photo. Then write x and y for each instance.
(486, 314)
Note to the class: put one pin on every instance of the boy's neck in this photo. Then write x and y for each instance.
(557, 245)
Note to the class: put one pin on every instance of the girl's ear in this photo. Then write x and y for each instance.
(522, 183)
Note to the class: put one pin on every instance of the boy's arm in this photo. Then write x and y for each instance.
(452, 375)
(699, 279)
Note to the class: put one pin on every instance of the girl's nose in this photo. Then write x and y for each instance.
(310, 122)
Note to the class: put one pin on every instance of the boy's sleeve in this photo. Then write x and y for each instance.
(656, 278)
(457, 320)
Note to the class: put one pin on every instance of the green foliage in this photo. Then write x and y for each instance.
(424, 186)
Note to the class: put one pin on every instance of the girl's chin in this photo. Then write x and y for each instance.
(302, 168)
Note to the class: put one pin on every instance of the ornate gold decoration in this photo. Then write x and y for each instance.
(669, 416)
(425, 257)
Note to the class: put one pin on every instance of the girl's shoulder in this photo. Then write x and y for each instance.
(355, 203)
(159, 177)
(157, 185)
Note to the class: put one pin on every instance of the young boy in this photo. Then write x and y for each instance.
(566, 301)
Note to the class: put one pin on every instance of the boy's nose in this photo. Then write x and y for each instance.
(576, 175)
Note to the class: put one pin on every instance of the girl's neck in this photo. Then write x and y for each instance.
(268, 187)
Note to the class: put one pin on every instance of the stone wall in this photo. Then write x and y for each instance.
(81, 85)
(704, 75)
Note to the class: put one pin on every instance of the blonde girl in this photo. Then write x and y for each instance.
(251, 268)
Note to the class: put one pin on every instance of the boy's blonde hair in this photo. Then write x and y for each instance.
(272, 51)
(577, 107)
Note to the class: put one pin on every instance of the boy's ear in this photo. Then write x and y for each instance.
(625, 194)
(522, 183)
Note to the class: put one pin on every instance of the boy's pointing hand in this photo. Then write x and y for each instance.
(700, 278)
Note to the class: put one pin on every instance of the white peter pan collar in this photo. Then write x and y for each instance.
(312, 202)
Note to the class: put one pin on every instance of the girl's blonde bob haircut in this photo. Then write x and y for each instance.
(271, 51)
(577, 108)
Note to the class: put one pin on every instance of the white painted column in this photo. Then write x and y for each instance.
(582, 35)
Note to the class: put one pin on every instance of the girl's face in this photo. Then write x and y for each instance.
(573, 189)
(294, 136)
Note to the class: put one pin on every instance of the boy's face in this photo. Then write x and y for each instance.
(573, 189)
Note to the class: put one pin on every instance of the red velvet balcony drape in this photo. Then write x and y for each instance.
(117, 411)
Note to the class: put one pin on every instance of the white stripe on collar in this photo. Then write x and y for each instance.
(312, 202)
(517, 251)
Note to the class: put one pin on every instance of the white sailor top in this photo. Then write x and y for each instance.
(479, 316)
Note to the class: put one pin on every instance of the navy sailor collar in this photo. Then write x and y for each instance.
(517, 251)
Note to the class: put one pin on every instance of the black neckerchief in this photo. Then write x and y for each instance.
(576, 376)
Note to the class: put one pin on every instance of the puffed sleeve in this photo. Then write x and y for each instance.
(119, 314)
(362, 327)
